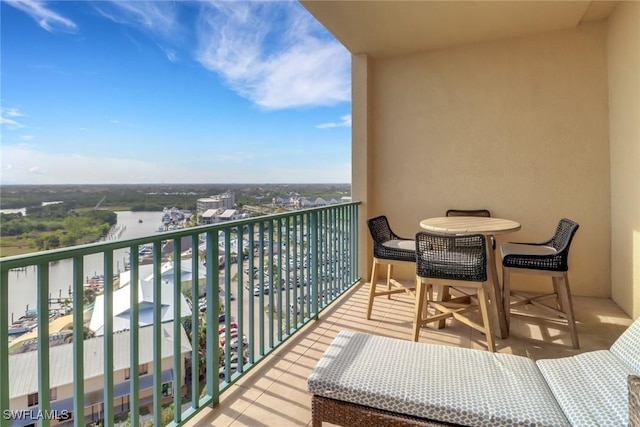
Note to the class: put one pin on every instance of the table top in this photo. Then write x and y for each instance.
(469, 225)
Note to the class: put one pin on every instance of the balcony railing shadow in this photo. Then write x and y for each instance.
(275, 393)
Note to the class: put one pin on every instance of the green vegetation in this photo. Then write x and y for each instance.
(86, 211)
(51, 227)
(155, 197)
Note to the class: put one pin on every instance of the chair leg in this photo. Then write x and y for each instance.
(483, 302)
(506, 294)
(567, 303)
(443, 295)
(389, 273)
(372, 287)
(558, 292)
(425, 299)
(420, 294)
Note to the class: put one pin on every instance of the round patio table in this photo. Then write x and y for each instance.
(462, 225)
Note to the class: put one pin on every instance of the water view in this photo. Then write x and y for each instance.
(22, 283)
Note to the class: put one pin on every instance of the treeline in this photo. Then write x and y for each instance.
(142, 197)
(155, 197)
(55, 226)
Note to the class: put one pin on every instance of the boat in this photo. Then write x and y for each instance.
(24, 324)
(140, 221)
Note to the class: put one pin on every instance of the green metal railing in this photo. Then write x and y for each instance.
(264, 278)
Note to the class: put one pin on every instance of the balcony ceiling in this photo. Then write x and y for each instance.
(390, 28)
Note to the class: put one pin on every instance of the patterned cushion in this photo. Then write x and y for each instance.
(627, 347)
(591, 388)
(450, 384)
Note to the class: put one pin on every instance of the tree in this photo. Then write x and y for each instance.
(89, 296)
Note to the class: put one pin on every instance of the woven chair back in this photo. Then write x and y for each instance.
(380, 230)
(561, 240)
(469, 212)
(451, 257)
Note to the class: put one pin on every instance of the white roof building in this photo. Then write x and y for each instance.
(122, 306)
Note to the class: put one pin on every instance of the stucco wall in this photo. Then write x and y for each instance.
(623, 59)
(518, 126)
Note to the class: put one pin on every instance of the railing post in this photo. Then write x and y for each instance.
(78, 341)
(250, 285)
(157, 334)
(272, 278)
(213, 311)
(134, 342)
(109, 413)
(177, 326)
(4, 346)
(44, 397)
(314, 262)
(195, 321)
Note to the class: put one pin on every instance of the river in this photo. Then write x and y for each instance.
(22, 284)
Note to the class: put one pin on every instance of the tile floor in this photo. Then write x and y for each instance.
(275, 393)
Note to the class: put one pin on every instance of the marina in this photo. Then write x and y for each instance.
(23, 282)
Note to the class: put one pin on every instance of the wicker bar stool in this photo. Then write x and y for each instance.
(548, 258)
(457, 262)
(388, 249)
(485, 213)
(469, 212)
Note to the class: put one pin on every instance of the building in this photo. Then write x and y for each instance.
(23, 374)
(122, 300)
(221, 201)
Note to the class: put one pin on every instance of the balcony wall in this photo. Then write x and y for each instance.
(623, 59)
(519, 126)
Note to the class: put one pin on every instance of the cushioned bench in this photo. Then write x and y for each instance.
(365, 379)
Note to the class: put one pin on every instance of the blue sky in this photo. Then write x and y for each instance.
(101, 92)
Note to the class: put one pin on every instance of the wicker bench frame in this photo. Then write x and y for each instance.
(324, 409)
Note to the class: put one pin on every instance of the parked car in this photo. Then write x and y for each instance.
(264, 290)
(232, 334)
(222, 372)
(232, 325)
(234, 357)
(235, 343)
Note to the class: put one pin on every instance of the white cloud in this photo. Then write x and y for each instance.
(11, 112)
(46, 18)
(26, 137)
(345, 123)
(301, 67)
(273, 53)
(24, 164)
(156, 17)
(36, 169)
(10, 123)
(234, 157)
(7, 116)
